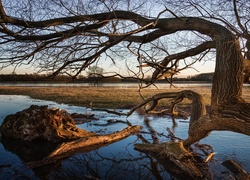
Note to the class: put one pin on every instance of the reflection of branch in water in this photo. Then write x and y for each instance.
(113, 165)
(113, 121)
(154, 134)
(28, 150)
(151, 130)
(139, 135)
(155, 168)
(118, 160)
(110, 111)
(172, 136)
(99, 166)
(146, 132)
(95, 165)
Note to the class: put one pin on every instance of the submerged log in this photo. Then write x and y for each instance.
(176, 160)
(236, 169)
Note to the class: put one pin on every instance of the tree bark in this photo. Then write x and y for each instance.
(177, 160)
(236, 169)
(67, 149)
(228, 75)
(73, 146)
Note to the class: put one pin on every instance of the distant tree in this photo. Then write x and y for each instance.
(95, 71)
(203, 77)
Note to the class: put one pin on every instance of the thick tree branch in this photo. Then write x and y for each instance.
(238, 17)
(188, 53)
(198, 107)
(122, 15)
(78, 30)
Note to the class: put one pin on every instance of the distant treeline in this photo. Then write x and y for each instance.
(202, 77)
(33, 78)
(47, 78)
(64, 78)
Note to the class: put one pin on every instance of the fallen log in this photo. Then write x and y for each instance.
(177, 161)
(54, 125)
(85, 144)
(236, 169)
(72, 146)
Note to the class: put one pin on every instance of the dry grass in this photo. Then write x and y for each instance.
(101, 97)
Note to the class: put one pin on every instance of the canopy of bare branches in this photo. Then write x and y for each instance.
(60, 36)
(157, 38)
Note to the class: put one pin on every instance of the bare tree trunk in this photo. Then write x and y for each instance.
(228, 75)
(228, 110)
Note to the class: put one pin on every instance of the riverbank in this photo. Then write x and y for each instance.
(103, 97)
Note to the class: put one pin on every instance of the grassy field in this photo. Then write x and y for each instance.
(101, 97)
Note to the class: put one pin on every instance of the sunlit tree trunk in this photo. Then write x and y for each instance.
(226, 97)
(228, 75)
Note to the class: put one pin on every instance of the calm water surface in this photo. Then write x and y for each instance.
(116, 161)
(117, 85)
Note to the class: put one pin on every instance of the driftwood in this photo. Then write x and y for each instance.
(236, 169)
(177, 160)
(183, 163)
(42, 123)
(173, 156)
(67, 149)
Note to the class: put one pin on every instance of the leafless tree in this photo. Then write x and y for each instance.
(232, 14)
(62, 35)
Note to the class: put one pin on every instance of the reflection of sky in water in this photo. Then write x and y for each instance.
(119, 159)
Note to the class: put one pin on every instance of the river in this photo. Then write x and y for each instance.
(116, 161)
